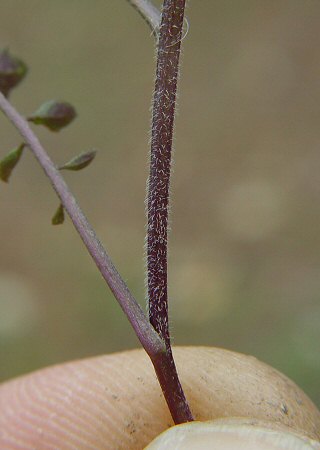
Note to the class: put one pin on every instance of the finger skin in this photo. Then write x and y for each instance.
(115, 402)
(231, 434)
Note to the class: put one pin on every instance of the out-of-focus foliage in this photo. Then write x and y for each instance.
(58, 217)
(54, 115)
(79, 162)
(12, 71)
(244, 248)
(9, 162)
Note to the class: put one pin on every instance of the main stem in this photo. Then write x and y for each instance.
(160, 163)
(158, 189)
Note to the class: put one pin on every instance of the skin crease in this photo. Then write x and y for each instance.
(115, 402)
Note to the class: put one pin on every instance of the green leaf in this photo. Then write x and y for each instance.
(12, 71)
(79, 162)
(8, 163)
(58, 217)
(53, 115)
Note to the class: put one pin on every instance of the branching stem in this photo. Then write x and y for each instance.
(150, 340)
(146, 334)
(153, 336)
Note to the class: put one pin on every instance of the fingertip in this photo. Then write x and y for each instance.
(95, 403)
(115, 402)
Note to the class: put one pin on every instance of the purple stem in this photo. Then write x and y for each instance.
(160, 163)
(158, 187)
(149, 338)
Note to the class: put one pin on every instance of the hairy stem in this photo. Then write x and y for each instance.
(159, 181)
(149, 338)
(160, 163)
(170, 29)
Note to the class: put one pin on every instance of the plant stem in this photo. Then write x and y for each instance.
(159, 183)
(149, 12)
(149, 338)
(158, 186)
(160, 163)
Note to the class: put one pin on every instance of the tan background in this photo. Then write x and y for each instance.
(245, 244)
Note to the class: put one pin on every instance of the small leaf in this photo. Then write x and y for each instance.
(58, 217)
(53, 115)
(12, 71)
(79, 162)
(9, 162)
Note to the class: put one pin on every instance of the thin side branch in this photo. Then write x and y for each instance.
(146, 334)
(149, 12)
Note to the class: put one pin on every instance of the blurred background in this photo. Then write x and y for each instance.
(245, 241)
